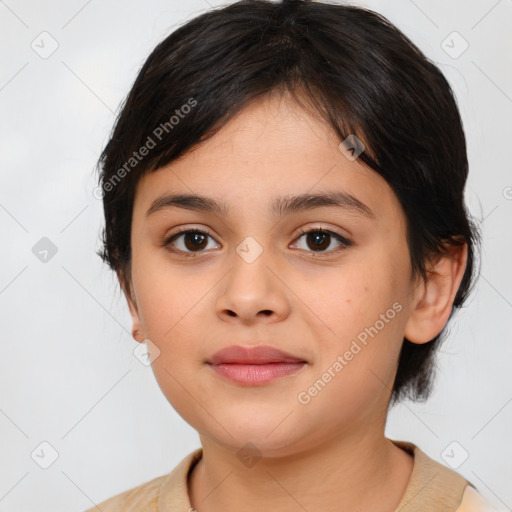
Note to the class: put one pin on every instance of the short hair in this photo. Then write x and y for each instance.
(346, 64)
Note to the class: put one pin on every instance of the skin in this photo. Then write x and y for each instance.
(330, 454)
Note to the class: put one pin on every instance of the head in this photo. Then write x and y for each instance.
(249, 106)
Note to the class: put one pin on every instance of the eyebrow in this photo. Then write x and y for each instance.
(280, 206)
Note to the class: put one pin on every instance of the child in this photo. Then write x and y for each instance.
(283, 196)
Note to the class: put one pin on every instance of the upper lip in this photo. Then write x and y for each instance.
(260, 354)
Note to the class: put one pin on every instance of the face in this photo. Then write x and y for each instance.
(337, 300)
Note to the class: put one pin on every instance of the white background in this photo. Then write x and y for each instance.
(67, 372)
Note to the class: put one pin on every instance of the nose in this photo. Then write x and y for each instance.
(253, 292)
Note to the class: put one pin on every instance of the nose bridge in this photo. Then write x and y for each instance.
(251, 288)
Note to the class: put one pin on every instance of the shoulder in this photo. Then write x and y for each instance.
(437, 488)
(143, 498)
(165, 492)
(472, 501)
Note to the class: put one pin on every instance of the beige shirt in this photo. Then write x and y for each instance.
(432, 487)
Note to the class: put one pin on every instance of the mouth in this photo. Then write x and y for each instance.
(253, 366)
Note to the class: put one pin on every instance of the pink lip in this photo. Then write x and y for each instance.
(254, 365)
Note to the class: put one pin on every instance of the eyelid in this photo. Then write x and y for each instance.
(167, 239)
(308, 229)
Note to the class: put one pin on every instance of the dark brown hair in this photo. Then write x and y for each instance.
(347, 64)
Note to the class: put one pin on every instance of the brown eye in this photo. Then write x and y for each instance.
(188, 241)
(318, 240)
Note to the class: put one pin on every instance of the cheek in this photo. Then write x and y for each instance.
(166, 295)
(355, 368)
(364, 306)
(173, 304)
(354, 297)
(171, 311)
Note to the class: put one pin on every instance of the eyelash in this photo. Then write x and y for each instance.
(344, 242)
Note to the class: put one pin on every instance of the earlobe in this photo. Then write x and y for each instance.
(137, 332)
(434, 297)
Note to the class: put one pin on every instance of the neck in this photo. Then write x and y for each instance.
(354, 472)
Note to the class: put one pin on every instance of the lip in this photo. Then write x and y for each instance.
(253, 366)
(261, 354)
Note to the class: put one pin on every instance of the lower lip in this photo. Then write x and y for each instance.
(256, 374)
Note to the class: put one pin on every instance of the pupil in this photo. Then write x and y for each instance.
(319, 235)
(196, 237)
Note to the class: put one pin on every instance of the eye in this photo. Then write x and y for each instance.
(320, 239)
(192, 240)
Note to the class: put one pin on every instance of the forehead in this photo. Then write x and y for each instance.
(271, 149)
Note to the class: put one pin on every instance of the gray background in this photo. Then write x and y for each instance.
(68, 376)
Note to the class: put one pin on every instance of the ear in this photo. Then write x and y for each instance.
(131, 300)
(434, 296)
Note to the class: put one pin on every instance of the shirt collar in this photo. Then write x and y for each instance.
(428, 479)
